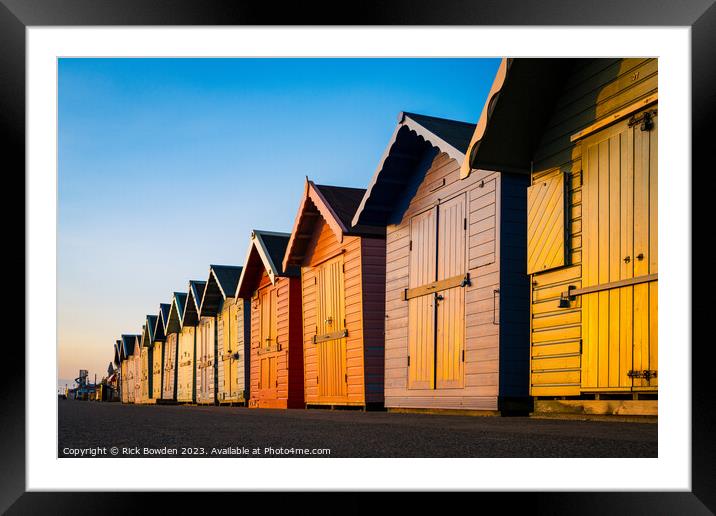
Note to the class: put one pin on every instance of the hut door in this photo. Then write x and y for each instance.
(619, 264)
(145, 373)
(451, 301)
(268, 345)
(169, 358)
(138, 374)
(436, 296)
(206, 333)
(230, 332)
(224, 321)
(421, 309)
(331, 330)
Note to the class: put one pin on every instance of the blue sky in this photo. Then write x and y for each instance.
(165, 166)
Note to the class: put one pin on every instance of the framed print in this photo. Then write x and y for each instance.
(410, 249)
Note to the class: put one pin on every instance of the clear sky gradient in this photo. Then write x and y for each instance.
(165, 166)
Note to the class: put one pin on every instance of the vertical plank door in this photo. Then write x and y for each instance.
(330, 325)
(451, 302)
(421, 314)
(619, 325)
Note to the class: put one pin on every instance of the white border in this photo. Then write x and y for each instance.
(670, 471)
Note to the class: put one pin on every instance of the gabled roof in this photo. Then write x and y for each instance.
(120, 348)
(222, 283)
(193, 303)
(148, 333)
(518, 107)
(176, 311)
(266, 252)
(160, 327)
(128, 343)
(335, 205)
(415, 142)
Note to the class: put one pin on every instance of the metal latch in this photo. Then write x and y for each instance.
(646, 374)
(645, 118)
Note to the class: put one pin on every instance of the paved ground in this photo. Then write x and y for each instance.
(171, 429)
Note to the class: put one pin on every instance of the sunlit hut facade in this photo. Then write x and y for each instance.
(169, 358)
(156, 337)
(456, 292)
(206, 355)
(585, 132)
(117, 361)
(186, 344)
(124, 372)
(233, 332)
(276, 359)
(188, 364)
(343, 298)
(128, 345)
(153, 361)
(145, 378)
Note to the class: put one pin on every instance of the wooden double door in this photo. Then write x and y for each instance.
(206, 360)
(331, 331)
(619, 263)
(436, 296)
(229, 324)
(268, 353)
(170, 356)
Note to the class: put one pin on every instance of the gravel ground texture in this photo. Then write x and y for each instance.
(211, 431)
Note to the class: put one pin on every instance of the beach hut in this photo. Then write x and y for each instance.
(584, 131)
(233, 332)
(169, 358)
(143, 365)
(456, 290)
(186, 342)
(129, 347)
(206, 353)
(148, 351)
(276, 359)
(123, 371)
(149, 340)
(188, 362)
(117, 362)
(343, 298)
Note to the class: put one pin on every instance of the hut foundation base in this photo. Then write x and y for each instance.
(645, 410)
(233, 403)
(443, 412)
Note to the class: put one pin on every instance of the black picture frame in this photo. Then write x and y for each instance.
(17, 15)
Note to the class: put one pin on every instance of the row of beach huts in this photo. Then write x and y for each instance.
(507, 266)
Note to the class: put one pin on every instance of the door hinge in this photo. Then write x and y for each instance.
(464, 223)
(408, 359)
(410, 246)
(463, 355)
(646, 120)
(646, 374)
(317, 382)
(580, 346)
(346, 377)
